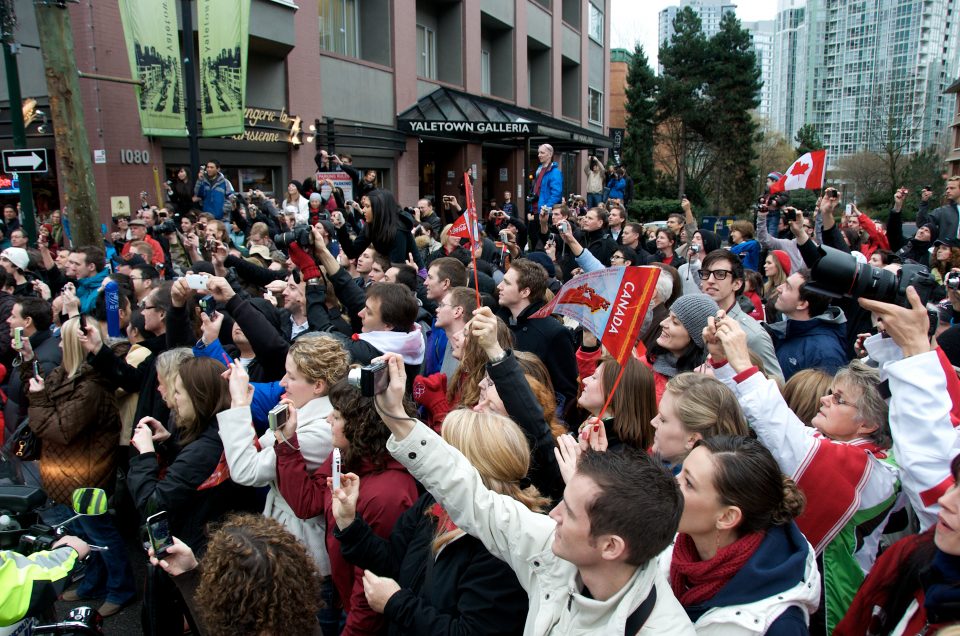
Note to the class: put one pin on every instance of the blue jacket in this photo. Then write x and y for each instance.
(778, 565)
(87, 289)
(213, 194)
(817, 343)
(551, 188)
(617, 188)
(749, 253)
(436, 347)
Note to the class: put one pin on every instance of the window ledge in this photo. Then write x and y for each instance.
(356, 60)
(290, 4)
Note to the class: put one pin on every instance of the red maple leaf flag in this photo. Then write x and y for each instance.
(806, 173)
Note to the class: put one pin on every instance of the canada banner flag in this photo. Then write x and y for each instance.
(610, 303)
(806, 173)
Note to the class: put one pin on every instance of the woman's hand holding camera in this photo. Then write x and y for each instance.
(390, 402)
(178, 559)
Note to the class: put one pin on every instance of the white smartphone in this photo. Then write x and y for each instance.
(197, 281)
(336, 468)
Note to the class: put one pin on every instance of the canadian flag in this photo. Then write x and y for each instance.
(806, 173)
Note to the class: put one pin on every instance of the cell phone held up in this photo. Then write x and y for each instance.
(208, 305)
(277, 416)
(337, 468)
(158, 531)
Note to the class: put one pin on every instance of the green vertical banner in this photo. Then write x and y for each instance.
(223, 26)
(153, 47)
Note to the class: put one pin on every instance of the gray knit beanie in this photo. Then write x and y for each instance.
(692, 310)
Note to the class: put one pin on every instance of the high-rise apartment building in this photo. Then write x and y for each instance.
(762, 34)
(710, 12)
(865, 74)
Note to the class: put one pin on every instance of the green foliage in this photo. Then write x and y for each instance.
(641, 110)
(733, 91)
(646, 210)
(808, 139)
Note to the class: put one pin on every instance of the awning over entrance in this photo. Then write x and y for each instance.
(451, 114)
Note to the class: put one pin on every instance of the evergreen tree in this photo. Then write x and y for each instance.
(808, 139)
(641, 108)
(681, 107)
(733, 91)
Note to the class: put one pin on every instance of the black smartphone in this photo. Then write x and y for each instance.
(158, 529)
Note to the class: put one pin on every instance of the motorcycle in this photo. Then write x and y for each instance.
(22, 530)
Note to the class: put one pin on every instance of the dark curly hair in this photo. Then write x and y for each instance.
(256, 578)
(362, 426)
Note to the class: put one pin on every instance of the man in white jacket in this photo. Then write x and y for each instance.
(590, 566)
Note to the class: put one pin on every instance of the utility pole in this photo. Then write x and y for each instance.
(190, 89)
(8, 23)
(69, 129)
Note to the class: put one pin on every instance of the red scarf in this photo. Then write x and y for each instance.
(695, 581)
(444, 523)
(543, 171)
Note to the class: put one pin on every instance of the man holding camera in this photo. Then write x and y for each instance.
(946, 218)
(138, 228)
(212, 189)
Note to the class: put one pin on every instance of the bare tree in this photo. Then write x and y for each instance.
(894, 121)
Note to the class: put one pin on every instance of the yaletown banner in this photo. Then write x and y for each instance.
(153, 47)
(223, 28)
(498, 128)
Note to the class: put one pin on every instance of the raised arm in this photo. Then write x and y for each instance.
(507, 528)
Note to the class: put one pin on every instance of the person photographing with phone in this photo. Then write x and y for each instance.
(360, 437)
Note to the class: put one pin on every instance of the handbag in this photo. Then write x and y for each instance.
(24, 443)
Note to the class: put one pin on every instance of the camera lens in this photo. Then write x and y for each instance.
(353, 377)
(838, 274)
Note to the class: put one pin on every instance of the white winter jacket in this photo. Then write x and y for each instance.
(755, 618)
(252, 467)
(523, 539)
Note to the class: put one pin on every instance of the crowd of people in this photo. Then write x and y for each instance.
(773, 459)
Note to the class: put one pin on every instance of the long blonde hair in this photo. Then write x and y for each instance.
(498, 449)
(73, 354)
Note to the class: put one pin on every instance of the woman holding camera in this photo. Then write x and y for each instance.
(466, 590)
(388, 229)
(314, 364)
(360, 436)
(74, 412)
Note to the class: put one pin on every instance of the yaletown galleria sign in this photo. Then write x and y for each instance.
(501, 128)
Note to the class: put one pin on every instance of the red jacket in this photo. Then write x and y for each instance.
(158, 255)
(384, 496)
(876, 588)
(878, 240)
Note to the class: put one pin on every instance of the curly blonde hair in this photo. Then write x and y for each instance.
(256, 578)
(320, 358)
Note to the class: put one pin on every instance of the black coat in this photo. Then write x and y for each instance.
(46, 351)
(189, 510)
(522, 405)
(462, 590)
(553, 344)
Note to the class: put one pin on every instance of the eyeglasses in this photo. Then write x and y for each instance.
(719, 274)
(839, 401)
(617, 257)
(143, 306)
(808, 228)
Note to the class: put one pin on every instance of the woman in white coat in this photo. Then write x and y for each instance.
(313, 365)
(739, 565)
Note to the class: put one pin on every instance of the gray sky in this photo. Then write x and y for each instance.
(637, 21)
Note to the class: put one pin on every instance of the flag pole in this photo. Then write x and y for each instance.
(473, 230)
(616, 383)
